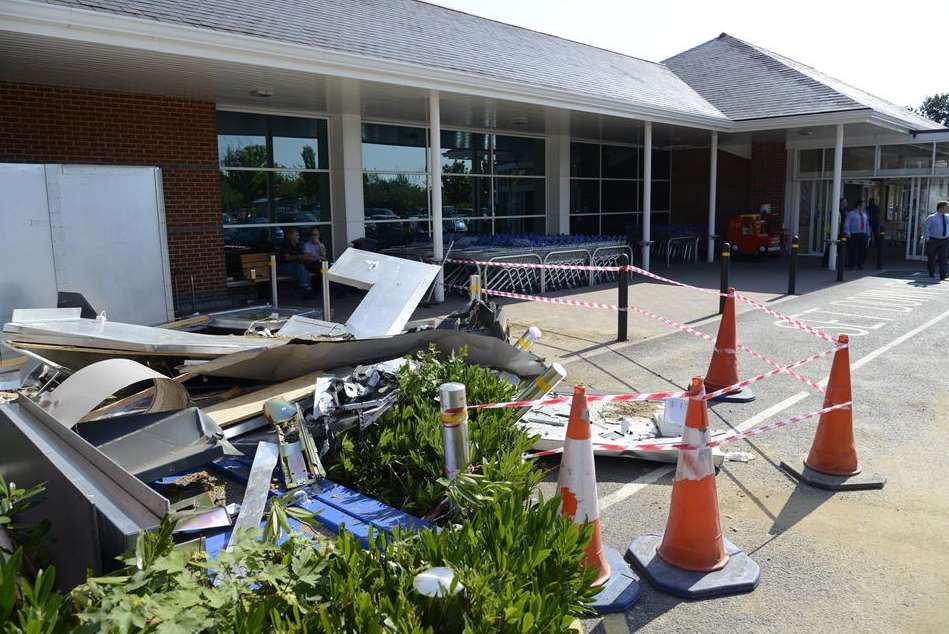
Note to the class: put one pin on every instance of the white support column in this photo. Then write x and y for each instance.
(435, 169)
(351, 125)
(712, 196)
(835, 199)
(647, 192)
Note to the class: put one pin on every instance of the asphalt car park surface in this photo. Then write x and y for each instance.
(855, 561)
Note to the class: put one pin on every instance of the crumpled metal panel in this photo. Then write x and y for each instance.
(395, 286)
(301, 357)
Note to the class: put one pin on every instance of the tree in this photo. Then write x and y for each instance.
(936, 107)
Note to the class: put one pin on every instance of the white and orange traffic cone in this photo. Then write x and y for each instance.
(576, 485)
(692, 559)
(832, 462)
(723, 368)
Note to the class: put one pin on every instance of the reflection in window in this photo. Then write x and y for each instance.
(244, 197)
(519, 196)
(465, 153)
(518, 156)
(395, 196)
(301, 196)
(913, 156)
(465, 196)
(942, 156)
(390, 148)
(255, 151)
(296, 143)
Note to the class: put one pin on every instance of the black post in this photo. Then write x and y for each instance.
(792, 265)
(881, 238)
(841, 257)
(726, 259)
(622, 289)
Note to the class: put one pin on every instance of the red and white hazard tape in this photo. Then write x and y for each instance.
(551, 300)
(591, 398)
(777, 368)
(716, 442)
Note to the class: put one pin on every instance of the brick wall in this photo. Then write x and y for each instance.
(690, 171)
(769, 160)
(44, 124)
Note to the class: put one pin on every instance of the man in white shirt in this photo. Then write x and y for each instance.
(314, 251)
(857, 230)
(936, 235)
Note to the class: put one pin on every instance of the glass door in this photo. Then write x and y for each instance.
(918, 209)
(813, 216)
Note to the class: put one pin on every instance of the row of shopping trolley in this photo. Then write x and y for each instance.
(531, 280)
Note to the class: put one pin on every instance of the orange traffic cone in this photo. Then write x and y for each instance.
(693, 537)
(576, 483)
(832, 462)
(723, 368)
(692, 559)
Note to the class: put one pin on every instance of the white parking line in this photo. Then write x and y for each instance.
(628, 490)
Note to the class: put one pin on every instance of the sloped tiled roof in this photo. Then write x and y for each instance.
(423, 34)
(748, 82)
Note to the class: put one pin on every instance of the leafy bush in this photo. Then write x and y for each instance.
(518, 560)
(519, 567)
(400, 459)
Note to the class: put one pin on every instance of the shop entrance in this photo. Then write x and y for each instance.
(903, 206)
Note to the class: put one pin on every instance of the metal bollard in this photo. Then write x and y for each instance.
(622, 316)
(540, 387)
(525, 341)
(792, 265)
(726, 261)
(273, 281)
(454, 410)
(881, 239)
(841, 258)
(325, 281)
(474, 288)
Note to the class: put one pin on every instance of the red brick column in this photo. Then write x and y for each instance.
(46, 124)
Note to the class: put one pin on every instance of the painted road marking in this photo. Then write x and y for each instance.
(630, 489)
(892, 297)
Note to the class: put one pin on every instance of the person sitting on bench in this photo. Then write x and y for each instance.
(314, 251)
(292, 260)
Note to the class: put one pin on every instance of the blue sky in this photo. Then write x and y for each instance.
(896, 50)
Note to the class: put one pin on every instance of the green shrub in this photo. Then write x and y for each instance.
(519, 566)
(400, 459)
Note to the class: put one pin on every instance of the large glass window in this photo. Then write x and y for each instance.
(942, 157)
(491, 183)
(910, 158)
(606, 187)
(273, 174)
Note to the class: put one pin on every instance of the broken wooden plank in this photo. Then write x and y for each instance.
(251, 404)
